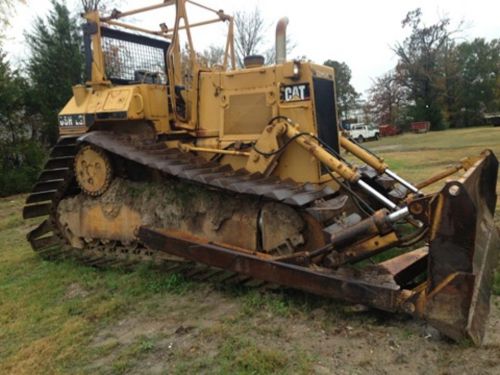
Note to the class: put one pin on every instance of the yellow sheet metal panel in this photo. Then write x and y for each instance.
(116, 100)
(296, 162)
(156, 101)
(247, 113)
(210, 104)
(248, 78)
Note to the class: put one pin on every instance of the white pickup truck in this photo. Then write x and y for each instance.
(362, 132)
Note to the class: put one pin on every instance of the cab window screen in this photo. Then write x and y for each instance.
(133, 58)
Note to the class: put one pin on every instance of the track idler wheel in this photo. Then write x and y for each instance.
(93, 170)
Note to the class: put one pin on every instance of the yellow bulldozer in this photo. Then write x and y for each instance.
(240, 173)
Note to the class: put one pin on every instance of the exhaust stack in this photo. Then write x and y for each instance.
(281, 40)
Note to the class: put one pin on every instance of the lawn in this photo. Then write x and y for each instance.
(418, 156)
(66, 318)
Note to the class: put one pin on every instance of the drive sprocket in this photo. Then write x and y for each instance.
(93, 170)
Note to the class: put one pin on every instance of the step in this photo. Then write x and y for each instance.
(36, 210)
(43, 196)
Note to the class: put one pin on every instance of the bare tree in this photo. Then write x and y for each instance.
(250, 37)
(212, 56)
(90, 5)
(270, 54)
(250, 29)
(387, 99)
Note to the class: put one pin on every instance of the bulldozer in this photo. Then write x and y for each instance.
(241, 174)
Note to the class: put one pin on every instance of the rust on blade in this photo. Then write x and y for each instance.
(407, 266)
(463, 252)
(447, 306)
(356, 288)
(480, 182)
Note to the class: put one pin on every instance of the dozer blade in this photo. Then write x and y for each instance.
(463, 253)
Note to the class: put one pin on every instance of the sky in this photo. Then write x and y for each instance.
(358, 32)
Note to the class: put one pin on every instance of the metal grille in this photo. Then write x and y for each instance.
(326, 113)
(247, 114)
(133, 58)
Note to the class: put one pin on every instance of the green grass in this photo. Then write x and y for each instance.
(49, 326)
(240, 355)
(247, 348)
(496, 283)
(418, 156)
(60, 317)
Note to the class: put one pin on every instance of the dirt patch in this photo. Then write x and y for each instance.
(154, 340)
(176, 324)
(75, 290)
(397, 346)
(192, 335)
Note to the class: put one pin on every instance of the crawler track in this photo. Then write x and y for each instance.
(57, 182)
(195, 169)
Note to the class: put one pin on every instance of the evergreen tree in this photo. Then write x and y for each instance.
(346, 94)
(11, 101)
(55, 65)
(478, 80)
(20, 157)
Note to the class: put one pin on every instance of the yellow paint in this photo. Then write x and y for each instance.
(108, 222)
(223, 105)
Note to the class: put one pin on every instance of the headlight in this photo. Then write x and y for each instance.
(291, 69)
(296, 69)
